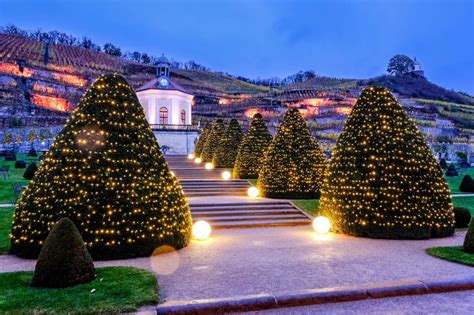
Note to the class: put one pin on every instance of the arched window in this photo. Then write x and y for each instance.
(163, 116)
(183, 117)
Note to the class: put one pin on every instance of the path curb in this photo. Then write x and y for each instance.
(314, 296)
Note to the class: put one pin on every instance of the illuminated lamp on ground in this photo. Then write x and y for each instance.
(197, 160)
(226, 175)
(321, 224)
(190, 156)
(253, 192)
(209, 166)
(201, 230)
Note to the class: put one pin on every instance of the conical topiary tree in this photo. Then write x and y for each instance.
(469, 239)
(63, 260)
(202, 140)
(383, 181)
(212, 141)
(252, 149)
(30, 171)
(467, 184)
(294, 163)
(226, 152)
(105, 171)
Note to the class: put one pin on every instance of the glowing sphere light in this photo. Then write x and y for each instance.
(197, 160)
(253, 192)
(321, 224)
(201, 230)
(190, 156)
(209, 166)
(226, 175)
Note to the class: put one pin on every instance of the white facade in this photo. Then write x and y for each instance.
(166, 107)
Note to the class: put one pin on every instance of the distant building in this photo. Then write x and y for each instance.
(168, 109)
(417, 70)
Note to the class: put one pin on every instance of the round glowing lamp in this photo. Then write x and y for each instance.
(190, 156)
(226, 175)
(253, 192)
(201, 230)
(209, 166)
(321, 224)
(197, 160)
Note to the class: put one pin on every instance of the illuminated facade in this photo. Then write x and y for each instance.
(168, 109)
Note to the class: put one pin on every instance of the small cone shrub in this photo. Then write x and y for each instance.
(443, 164)
(467, 184)
(20, 164)
(226, 152)
(383, 181)
(462, 216)
(469, 239)
(213, 140)
(202, 140)
(63, 260)
(30, 171)
(294, 163)
(451, 171)
(252, 149)
(32, 152)
(105, 171)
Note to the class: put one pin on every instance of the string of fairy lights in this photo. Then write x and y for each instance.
(383, 181)
(294, 163)
(106, 172)
(226, 151)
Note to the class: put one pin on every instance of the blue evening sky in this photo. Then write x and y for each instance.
(340, 38)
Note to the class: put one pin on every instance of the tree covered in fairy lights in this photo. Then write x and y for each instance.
(212, 141)
(226, 152)
(383, 181)
(202, 140)
(294, 163)
(252, 148)
(106, 172)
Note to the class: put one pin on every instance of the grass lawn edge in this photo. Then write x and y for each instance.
(453, 254)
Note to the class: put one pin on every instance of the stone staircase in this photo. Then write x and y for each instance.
(223, 203)
(250, 214)
(209, 187)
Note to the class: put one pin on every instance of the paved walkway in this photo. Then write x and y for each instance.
(277, 260)
(458, 303)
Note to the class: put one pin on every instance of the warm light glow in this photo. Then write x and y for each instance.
(321, 224)
(50, 102)
(197, 160)
(209, 166)
(226, 175)
(201, 230)
(253, 192)
(172, 173)
(191, 156)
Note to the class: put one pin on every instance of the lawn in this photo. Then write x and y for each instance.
(5, 228)
(16, 175)
(454, 254)
(465, 202)
(116, 289)
(310, 206)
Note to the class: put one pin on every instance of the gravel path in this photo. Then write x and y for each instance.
(274, 260)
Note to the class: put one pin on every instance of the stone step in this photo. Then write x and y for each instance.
(252, 218)
(214, 193)
(241, 205)
(245, 213)
(244, 209)
(211, 184)
(259, 223)
(213, 181)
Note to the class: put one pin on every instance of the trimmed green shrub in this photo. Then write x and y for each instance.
(451, 171)
(462, 216)
(213, 140)
(443, 164)
(202, 140)
(20, 164)
(63, 260)
(469, 239)
(226, 152)
(294, 163)
(467, 184)
(383, 181)
(252, 149)
(32, 152)
(106, 172)
(10, 156)
(30, 171)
